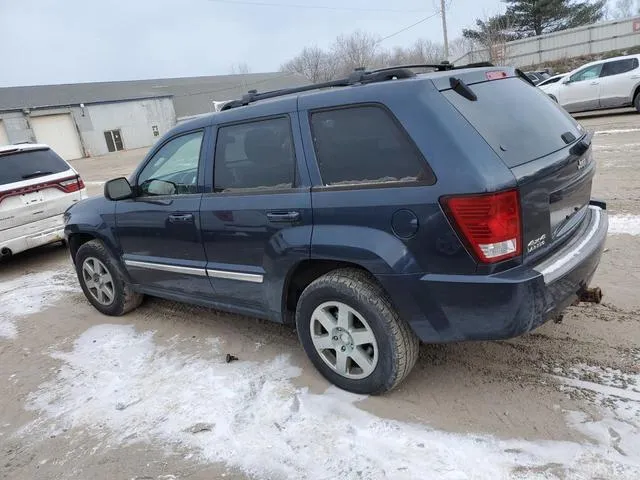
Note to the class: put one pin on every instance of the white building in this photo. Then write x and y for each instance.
(91, 119)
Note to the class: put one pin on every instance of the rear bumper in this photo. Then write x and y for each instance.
(31, 235)
(447, 308)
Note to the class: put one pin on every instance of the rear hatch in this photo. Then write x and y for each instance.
(35, 184)
(547, 151)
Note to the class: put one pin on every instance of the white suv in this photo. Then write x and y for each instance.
(610, 83)
(36, 187)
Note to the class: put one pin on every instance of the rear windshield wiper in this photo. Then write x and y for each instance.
(461, 88)
(35, 174)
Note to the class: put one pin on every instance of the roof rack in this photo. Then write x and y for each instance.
(359, 76)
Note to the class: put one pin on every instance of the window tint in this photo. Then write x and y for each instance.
(16, 167)
(619, 66)
(588, 73)
(256, 155)
(175, 165)
(364, 145)
(518, 121)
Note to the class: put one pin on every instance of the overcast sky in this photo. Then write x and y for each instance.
(68, 41)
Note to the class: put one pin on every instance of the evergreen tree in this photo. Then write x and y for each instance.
(535, 17)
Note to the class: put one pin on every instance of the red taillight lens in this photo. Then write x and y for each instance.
(489, 224)
(73, 184)
(496, 75)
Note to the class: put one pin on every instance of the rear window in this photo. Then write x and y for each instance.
(16, 167)
(517, 120)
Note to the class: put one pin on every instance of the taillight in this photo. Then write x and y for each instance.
(73, 184)
(488, 223)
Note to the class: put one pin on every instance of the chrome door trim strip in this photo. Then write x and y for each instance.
(201, 272)
(243, 277)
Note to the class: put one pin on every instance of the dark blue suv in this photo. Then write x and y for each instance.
(373, 212)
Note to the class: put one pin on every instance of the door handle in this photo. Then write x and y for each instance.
(635, 77)
(181, 218)
(595, 83)
(283, 216)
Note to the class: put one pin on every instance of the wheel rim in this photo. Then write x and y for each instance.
(344, 340)
(98, 281)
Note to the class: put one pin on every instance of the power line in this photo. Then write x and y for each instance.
(408, 27)
(316, 7)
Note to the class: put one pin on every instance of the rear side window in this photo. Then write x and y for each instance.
(16, 167)
(364, 145)
(619, 66)
(517, 120)
(256, 155)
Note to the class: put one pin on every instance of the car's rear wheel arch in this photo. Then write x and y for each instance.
(305, 273)
(636, 98)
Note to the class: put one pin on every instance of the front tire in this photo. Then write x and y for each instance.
(353, 335)
(103, 281)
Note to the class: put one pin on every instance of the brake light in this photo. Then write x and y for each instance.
(496, 75)
(67, 185)
(70, 185)
(488, 223)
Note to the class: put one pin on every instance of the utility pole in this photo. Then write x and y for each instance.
(443, 11)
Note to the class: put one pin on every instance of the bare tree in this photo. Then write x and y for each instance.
(355, 50)
(426, 51)
(493, 33)
(625, 8)
(461, 46)
(241, 68)
(314, 64)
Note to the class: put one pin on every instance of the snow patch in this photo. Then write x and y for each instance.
(618, 396)
(118, 385)
(31, 293)
(616, 131)
(624, 224)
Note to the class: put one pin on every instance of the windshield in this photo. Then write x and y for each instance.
(519, 122)
(16, 167)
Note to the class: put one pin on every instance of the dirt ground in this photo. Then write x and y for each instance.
(148, 395)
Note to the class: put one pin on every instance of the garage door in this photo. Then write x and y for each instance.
(4, 140)
(59, 132)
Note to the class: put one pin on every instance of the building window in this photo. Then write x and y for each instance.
(114, 140)
(256, 155)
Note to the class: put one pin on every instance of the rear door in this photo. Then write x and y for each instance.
(257, 221)
(159, 229)
(582, 91)
(35, 184)
(617, 82)
(546, 150)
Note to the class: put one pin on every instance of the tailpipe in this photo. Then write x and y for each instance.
(590, 295)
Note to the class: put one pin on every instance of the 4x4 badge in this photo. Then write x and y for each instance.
(536, 243)
(582, 163)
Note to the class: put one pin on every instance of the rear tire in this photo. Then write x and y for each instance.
(352, 333)
(103, 281)
(636, 102)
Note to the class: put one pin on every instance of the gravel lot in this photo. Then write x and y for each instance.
(148, 395)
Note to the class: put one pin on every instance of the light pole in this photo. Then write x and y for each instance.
(443, 12)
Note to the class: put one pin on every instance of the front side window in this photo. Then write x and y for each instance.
(173, 170)
(618, 67)
(257, 156)
(364, 145)
(588, 73)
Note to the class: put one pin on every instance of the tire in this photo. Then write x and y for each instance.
(636, 102)
(94, 256)
(390, 356)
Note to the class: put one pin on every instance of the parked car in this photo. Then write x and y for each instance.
(610, 83)
(550, 81)
(537, 77)
(36, 187)
(373, 215)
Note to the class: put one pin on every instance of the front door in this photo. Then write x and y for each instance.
(159, 228)
(582, 92)
(257, 222)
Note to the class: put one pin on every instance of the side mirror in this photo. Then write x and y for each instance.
(566, 80)
(118, 189)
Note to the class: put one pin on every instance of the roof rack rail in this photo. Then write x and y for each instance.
(359, 76)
